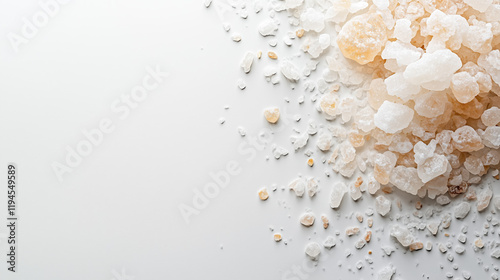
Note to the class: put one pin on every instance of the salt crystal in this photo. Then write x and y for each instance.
(236, 37)
(268, 28)
(312, 187)
(406, 179)
(443, 200)
(402, 30)
(272, 114)
(403, 53)
(289, 70)
(313, 250)
(491, 63)
(479, 5)
(462, 210)
(291, 4)
(307, 219)
(432, 168)
(330, 242)
(484, 198)
(360, 244)
(433, 227)
(352, 231)
(466, 139)
(312, 20)
(382, 205)
(247, 61)
(386, 273)
(298, 186)
(392, 117)
(496, 254)
(491, 117)
(496, 202)
(338, 191)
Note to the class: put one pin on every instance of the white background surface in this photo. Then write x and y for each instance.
(117, 213)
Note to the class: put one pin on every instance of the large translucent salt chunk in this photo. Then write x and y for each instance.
(479, 5)
(403, 53)
(382, 168)
(313, 20)
(466, 139)
(382, 205)
(431, 104)
(247, 61)
(268, 28)
(403, 235)
(491, 63)
(363, 37)
(478, 37)
(464, 87)
(398, 86)
(364, 119)
(491, 137)
(423, 151)
(289, 70)
(392, 117)
(491, 117)
(402, 30)
(432, 168)
(406, 179)
(438, 66)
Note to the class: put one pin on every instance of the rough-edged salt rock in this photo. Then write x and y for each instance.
(403, 53)
(464, 87)
(479, 5)
(338, 192)
(398, 86)
(268, 28)
(247, 61)
(423, 151)
(307, 219)
(491, 137)
(461, 210)
(330, 242)
(434, 70)
(313, 250)
(491, 63)
(298, 186)
(386, 273)
(484, 198)
(433, 227)
(355, 192)
(289, 70)
(491, 117)
(406, 179)
(431, 104)
(496, 254)
(403, 235)
(279, 152)
(443, 200)
(382, 205)
(466, 139)
(360, 244)
(432, 168)
(392, 117)
(312, 187)
(402, 30)
(312, 20)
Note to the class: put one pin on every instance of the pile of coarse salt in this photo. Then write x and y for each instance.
(423, 111)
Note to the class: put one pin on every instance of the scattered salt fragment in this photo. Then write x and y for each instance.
(289, 70)
(263, 194)
(359, 217)
(433, 227)
(369, 221)
(461, 210)
(368, 236)
(241, 84)
(484, 198)
(388, 250)
(479, 243)
(226, 26)
(459, 249)
(360, 244)
(247, 61)
(428, 246)
(450, 257)
(300, 141)
(279, 152)
(312, 187)
(242, 131)
(338, 191)
(277, 237)
(496, 254)
(272, 114)
(313, 250)
(386, 273)
(298, 186)
(355, 192)
(329, 242)
(307, 219)
(416, 246)
(403, 235)
(466, 275)
(446, 221)
(207, 3)
(236, 37)
(382, 205)
(392, 117)
(442, 248)
(359, 264)
(325, 221)
(352, 231)
(268, 28)
(462, 238)
(443, 200)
